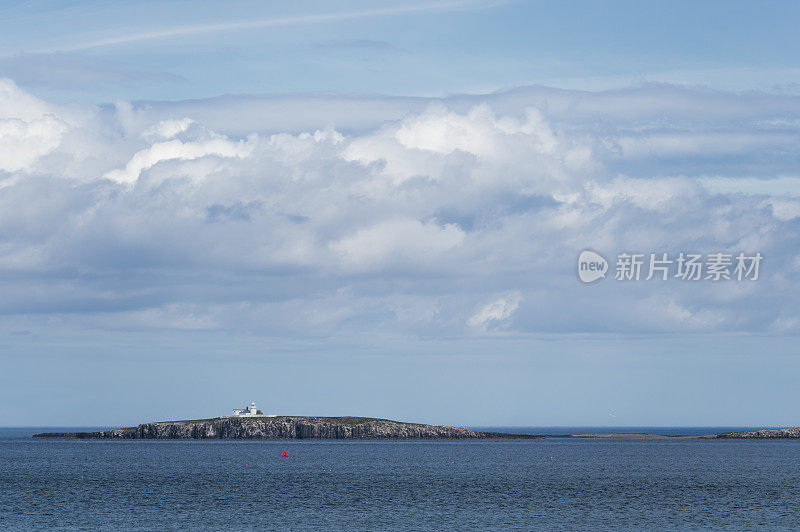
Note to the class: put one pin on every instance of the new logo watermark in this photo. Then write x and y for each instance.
(683, 266)
(591, 266)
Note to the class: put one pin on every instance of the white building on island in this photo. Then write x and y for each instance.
(250, 411)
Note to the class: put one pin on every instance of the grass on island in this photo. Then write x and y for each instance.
(344, 420)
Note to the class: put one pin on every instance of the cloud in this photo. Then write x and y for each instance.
(784, 209)
(495, 311)
(218, 27)
(23, 142)
(323, 214)
(28, 130)
(167, 129)
(176, 149)
(397, 241)
(358, 44)
(478, 132)
(17, 104)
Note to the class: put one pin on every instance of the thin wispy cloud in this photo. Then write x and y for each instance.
(200, 29)
(358, 44)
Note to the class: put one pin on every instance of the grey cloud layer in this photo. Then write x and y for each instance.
(311, 215)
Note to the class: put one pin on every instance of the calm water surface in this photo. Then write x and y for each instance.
(418, 485)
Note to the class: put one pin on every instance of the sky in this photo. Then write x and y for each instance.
(377, 209)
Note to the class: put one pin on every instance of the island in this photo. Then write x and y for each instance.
(251, 423)
(347, 428)
(257, 426)
(763, 434)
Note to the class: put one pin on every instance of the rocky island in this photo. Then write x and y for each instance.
(252, 423)
(763, 434)
(284, 427)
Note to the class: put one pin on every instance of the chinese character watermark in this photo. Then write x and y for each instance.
(714, 267)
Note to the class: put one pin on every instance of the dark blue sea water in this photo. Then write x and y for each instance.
(406, 485)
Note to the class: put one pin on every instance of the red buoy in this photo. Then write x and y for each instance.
(285, 454)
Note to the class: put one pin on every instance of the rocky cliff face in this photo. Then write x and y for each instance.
(280, 428)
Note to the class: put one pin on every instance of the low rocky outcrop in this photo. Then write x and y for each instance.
(763, 434)
(283, 427)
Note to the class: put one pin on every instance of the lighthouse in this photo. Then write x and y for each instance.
(250, 411)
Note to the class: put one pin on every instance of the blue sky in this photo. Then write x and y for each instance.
(102, 51)
(376, 208)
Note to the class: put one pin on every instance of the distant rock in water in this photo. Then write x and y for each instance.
(763, 434)
(284, 427)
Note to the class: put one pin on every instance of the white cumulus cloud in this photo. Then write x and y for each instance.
(318, 214)
(176, 149)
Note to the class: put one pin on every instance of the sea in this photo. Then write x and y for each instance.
(550, 484)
